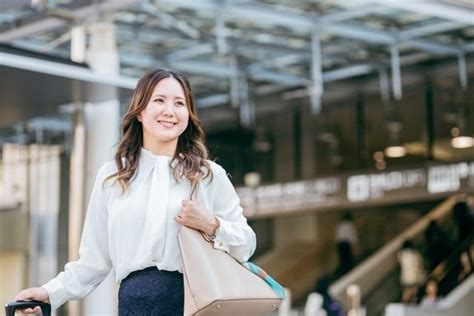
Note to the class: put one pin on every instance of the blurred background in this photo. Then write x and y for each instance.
(346, 126)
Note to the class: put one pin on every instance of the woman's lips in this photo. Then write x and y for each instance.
(166, 124)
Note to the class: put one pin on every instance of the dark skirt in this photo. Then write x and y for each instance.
(152, 292)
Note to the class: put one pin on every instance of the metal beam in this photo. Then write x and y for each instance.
(191, 52)
(212, 100)
(52, 23)
(165, 18)
(66, 71)
(361, 33)
(50, 124)
(347, 72)
(396, 72)
(437, 48)
(266, 15)
(469, 46)
(353, 13)
(204, 68)
(429, 29)
(328, 76)
(257, 72)
(462, 71)
(438, 9)
(367, 34)
(316, 85)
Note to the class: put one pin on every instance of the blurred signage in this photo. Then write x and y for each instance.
(368, 188)
(373, 186)
(450, 178)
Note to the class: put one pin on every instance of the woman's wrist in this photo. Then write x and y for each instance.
(213, 227)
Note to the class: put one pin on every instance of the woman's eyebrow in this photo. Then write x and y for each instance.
(158, 95)
(164, 96)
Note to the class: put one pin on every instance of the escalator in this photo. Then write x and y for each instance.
(455, 279)
(378, 275)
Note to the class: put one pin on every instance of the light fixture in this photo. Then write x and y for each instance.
(395, 151)
(460, 140)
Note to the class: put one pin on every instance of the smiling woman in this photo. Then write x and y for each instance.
(164, 118)
(160, 180)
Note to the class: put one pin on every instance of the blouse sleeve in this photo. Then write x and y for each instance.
(234, 236)
(80, 277)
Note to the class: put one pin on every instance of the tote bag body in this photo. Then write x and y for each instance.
(216, 284)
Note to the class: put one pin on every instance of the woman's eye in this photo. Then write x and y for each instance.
(180, 103)
(158, 100)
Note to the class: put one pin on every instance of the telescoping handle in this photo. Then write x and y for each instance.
(10, 308)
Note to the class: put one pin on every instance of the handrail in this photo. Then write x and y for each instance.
(375, 268)
(452, 261)
(458, 302)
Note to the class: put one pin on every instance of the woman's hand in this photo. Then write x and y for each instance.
(34, 293)
(198, 217)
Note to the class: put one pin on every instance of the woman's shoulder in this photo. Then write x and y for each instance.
(217, 174)
(107, 169)
(217, 169)
(214, 165)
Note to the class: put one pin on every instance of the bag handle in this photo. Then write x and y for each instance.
(10, 308)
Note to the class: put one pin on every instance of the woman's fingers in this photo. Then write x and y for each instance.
(35, 310)
(35, 293)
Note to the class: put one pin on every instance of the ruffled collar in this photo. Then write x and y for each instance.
(148, 156)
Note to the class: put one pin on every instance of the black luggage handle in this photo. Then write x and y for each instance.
(10, 308)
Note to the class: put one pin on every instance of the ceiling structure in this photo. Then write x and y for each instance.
(236, 51)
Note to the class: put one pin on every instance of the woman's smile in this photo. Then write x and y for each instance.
(167, 124)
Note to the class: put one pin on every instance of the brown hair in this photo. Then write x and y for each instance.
(191, 152)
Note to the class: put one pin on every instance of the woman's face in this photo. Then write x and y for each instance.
(166, 115)
(432, 288)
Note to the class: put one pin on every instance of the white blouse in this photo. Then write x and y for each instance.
(136, 230)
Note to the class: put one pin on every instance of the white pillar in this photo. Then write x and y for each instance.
(102, 54)
(102, 133)
(102, 123)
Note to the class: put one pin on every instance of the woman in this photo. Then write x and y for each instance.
(161, 179)
(412, 271)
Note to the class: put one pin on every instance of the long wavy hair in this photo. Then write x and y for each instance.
(191, 152)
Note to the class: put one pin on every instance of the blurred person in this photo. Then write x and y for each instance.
(160, 180)
(330, 305)
(412, 272)
(346, 239)
(466, 266)
(463, 219)
(437, 244)
(431, 298)
(314, 305)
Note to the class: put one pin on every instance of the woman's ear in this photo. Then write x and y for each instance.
(139, 117)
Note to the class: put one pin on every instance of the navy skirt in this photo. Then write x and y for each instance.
(152, 292)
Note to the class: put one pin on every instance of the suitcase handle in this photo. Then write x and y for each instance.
(10, 308)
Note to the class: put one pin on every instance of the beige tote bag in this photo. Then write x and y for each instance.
(216, 284)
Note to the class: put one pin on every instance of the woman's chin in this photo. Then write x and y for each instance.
(165, 138)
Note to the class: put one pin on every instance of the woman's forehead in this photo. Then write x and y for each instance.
(169, 87)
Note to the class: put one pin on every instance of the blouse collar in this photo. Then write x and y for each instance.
(147, 155)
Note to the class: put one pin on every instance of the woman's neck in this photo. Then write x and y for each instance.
(160, 149)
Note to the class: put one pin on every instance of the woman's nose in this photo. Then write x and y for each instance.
(168, 109)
